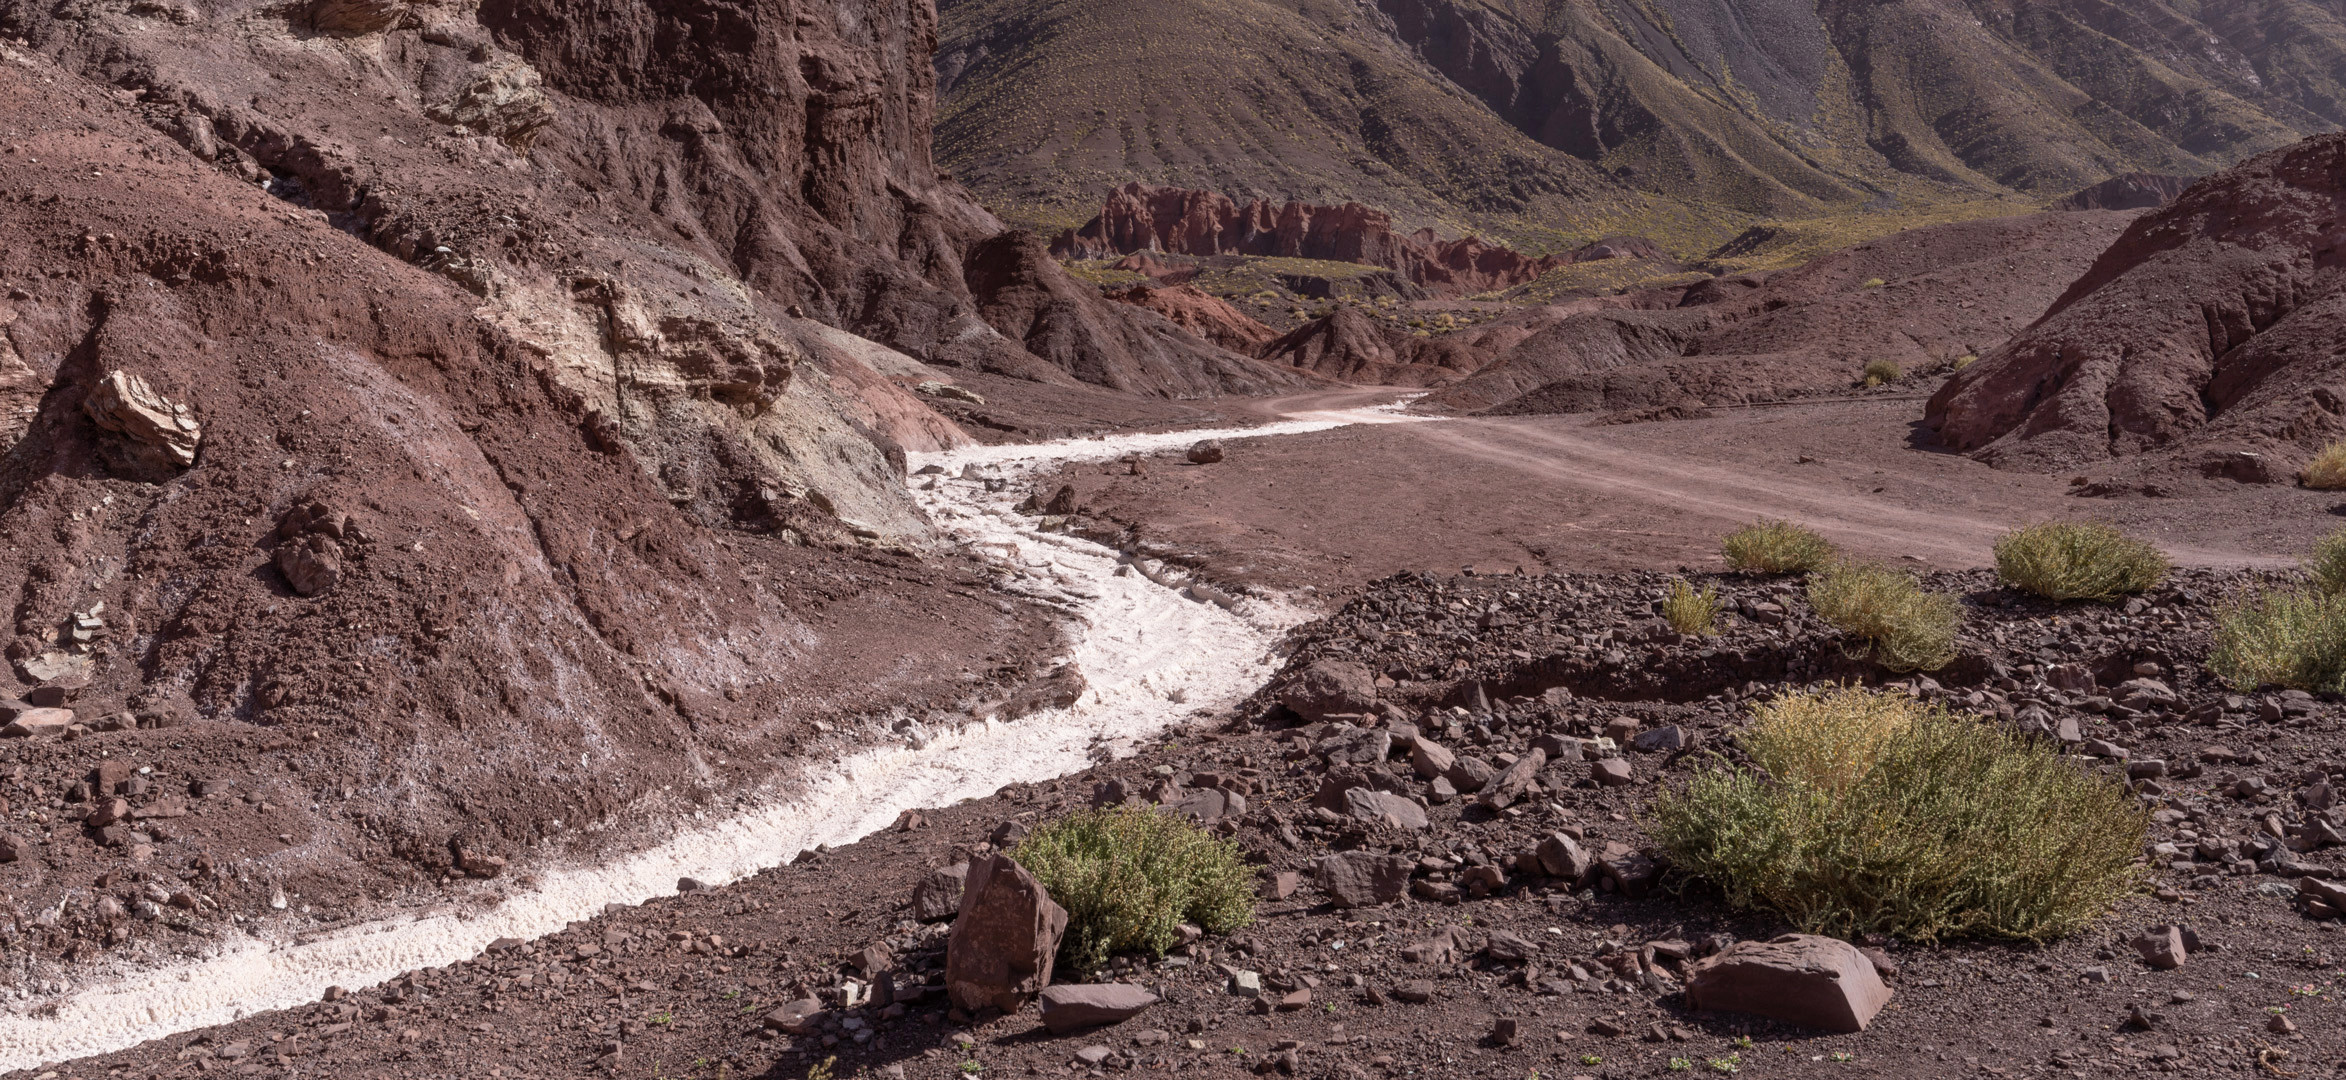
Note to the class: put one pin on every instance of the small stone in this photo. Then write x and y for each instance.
(2280, 1024)
(1298, 999)
(1093, 1055)
(2162, 948)
(1613, 772)
(1416, 992)
(1073, 1007)
(1205, 452)
(1246, 984)
(1505, 1031)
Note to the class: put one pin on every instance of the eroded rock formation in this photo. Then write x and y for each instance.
(1140, 218)
(2211, 329)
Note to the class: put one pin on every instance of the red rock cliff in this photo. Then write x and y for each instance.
(1138, 217)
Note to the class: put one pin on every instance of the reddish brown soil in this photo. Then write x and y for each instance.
(1339, 508)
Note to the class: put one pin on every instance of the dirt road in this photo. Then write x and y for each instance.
(1339, 507)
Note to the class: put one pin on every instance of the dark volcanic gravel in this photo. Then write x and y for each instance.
(678, 988)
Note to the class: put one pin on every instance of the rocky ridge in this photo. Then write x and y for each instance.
(2204, 341)
(1138, 218)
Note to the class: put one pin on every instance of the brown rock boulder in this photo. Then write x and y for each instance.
(1329, 687)
(1359, 879)
(1804, 979)
(1073, 1007)
(1004, 941)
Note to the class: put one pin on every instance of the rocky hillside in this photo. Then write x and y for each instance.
(1511, 113)
(448, 429)
(2207, 335)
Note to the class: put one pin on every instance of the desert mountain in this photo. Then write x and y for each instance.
(1507, 113)
(2208, 334)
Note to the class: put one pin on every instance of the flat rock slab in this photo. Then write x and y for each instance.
(1804, 979)
(1357, 879)
(1074, 1007)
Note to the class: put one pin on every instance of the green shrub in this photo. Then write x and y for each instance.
(1689, 611)
(1130, 876)
(2291, 638)
(1776, 547)
(1879, 372)
(1873, 283)
(1966, 360)
(1872, 813)
(1905, 627)
(2327, 470)
(2328, 565)
(2065, 560)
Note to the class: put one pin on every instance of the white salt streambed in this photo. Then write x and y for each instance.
(1151, 657)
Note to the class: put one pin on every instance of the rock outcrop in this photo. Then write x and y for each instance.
(1209, 317)
(2213, 328)
(1140, 218)
(1024, 293)
(1005, 940)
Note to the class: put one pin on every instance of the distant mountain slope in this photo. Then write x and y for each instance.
(1572, 117)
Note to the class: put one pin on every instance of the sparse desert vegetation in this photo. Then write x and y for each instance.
(1129, 876)
(1776, 547)
(1881, 373)
(1868, 812)
(2294, 638)
(2064, 560)
(2327, 470)
(1690, 610)
(1904, 627)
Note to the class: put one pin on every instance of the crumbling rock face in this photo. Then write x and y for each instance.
(2213, 328)
(1140, 218)
(154, 436)
(1203, 314)
(1026, 295)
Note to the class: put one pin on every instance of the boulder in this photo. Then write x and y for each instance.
(2163, 948)
(801, 1017)
(1563, 857)
(32, 722)
(1359, 879)
(311, 564)
(1205, 452)
(1370, 806)
(1208, 806)
(1515, 782)
(938, 896)
(1430, 758)
(1073, 1007)
(1362, 746)
(1004, 939)
(1328, 687)
(1469, 773)
(154, 436)
(1803, 979)
(1612, 772)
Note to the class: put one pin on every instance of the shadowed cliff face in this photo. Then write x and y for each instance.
(2207, 336)
(1757, 107)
